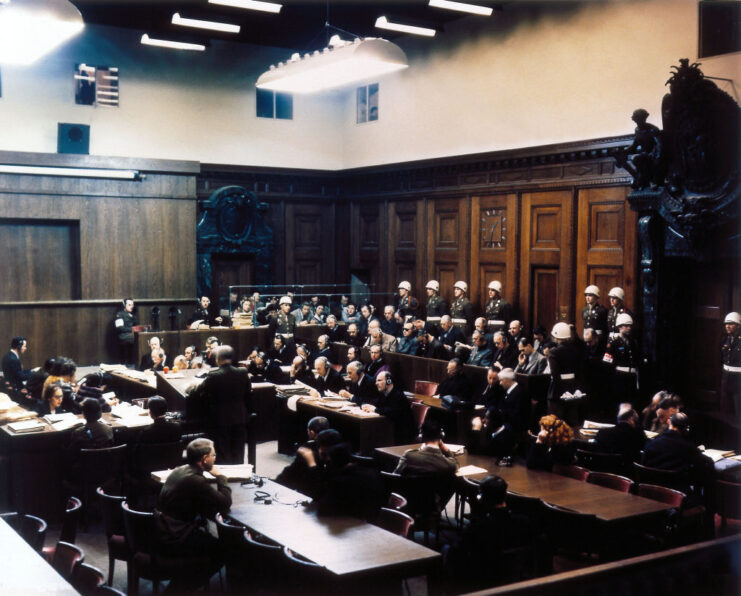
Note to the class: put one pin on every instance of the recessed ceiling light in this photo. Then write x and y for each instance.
(250, 5)
(384, 23)
(199, 24)
(175, 45)
(462, 7)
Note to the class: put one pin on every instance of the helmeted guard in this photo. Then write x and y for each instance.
(284, 322)
(623, 356)
(436, 306)
(617, 307)
(461, 310)
(408, 305)
(564, 362)
(730, 380)
(594, 314)
(498, 311)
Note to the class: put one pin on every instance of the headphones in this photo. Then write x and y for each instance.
(389, 380)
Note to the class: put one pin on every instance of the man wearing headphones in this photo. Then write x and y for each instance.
(124, 322)
(327, 378)
(393, 404)
(12, 369)
(300, 372)
(362, 390)
(201, 314)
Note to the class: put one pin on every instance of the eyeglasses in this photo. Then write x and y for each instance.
(407, 328)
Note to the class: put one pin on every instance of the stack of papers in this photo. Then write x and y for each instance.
(27, 426)
(597, 425)
(130, 415)
(112, 367)
(63, 421)
(718, 454)
(470, 471)
(456, 449)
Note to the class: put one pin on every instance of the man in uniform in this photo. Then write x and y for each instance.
(461, 311)
(408, 305)
(202, 315)
(284, 322)
(498, 311)
(594, 314)
(730, 380)
(564, 364)
(124, 322)
(595, 378)
(622, 354)
(617, 307)
(436, 306)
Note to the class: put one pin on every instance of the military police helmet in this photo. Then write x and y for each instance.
(284, 300)
(618, 293)
(405, 285)
(433, 285)
(623, 319)
(461, 285)
(733, 317)
(592, 290)
(561, 331)
(496, 285)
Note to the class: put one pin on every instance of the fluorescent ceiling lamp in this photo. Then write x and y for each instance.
(199, 24)
(462, 7)
(73, 172)
(175, 45)
(340, 64)
(250, 5)
(384, 23)
(30, 29)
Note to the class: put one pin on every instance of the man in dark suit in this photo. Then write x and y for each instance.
(672, 450)
(516, 405)
(12, 369)
(322, 348)
(161, 430)
(300, 372)
(493, 394)
(626, 437)
(362, 389)
(450, 335)
(393, 404)
(506, 354)
(335, 332)
(327, 379)
(455, 384)
(226, 396)
(297, 474)
(430, 347)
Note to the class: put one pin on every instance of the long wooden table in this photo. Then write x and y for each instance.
(346, 547)
(607, 504)
(24, 571)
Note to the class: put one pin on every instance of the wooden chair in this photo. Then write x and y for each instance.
(572, 532)
(306, 577)
(65, 558)
(612, 481)
(670, 478)
(267, 556)
(419, 413)
(662, 494)
(466, 493)
(575, 472)
(100, 467)
(394, 521)
(31, 528)
(425, 388)
(531, 507)
(396, 501)
(69, 525)
(597, 461)
(86, 579)
(727, 500)
(118, 548)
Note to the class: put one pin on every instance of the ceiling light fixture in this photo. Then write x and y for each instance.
(72, 172)
(175, 45)
(31, 28)
(341, 63)
(384, 23)
(250, 5)
(199, 24)
(462, 7)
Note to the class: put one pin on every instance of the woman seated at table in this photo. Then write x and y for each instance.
(52, 400)
(64, 373)
(553, 445)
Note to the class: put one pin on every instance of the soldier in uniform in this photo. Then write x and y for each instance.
(284, 322)
(564, 364)
(594, 314)
(436, 306)
(498, 311)
(617, 307)
(461, 310)
(408, 305)
(730, 380)
(124, 322)
(622, 354)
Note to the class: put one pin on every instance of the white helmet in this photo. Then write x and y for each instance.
(284, 300)
(618, 293)
(733, 317)
(592, 290)
(561, 331)
(405, 285)
(461, 285)
(496, 285)
(433, 285)
(623, 319)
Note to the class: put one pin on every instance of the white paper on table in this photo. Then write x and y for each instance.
(292, 401)
(470, 471)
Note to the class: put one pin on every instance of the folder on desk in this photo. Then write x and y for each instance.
(27, 426)
(470, 471)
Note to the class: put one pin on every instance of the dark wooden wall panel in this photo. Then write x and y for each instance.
(448, 242)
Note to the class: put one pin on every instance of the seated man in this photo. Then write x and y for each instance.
(202, 316)
(300, 372)
(493, 393)
(327, 379)
(185, 504)
(377, 364)
(353, 337)
(322, 348)
(190, 353)
(362, 388)
(481, 355)
(146, 362)
(161, 430)
(389, 324)
(625, 438)
(296, 475)
(281, 351)
(490, 435)
(455, 390)
(376, 336)
(430, 347)
(450, 335)
(212, 343)
(95, 434)
(407, 343)
(506, 354)
(393, 404)
(158, 360)
(12, 369)
(431, 458)
(335, 332)
(529, 362)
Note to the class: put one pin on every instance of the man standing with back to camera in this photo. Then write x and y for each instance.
(124, 323)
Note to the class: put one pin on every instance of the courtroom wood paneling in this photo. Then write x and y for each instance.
(448, 245)
(494, 246)
(307, 242)
(406, 231)
(368, 238)
(606, 244)
(546, 267)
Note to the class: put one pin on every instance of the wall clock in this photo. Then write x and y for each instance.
(493, 228)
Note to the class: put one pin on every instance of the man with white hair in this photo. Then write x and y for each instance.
(362, 388)
(327, 378)
(377, 337)
(322, 347)
(516, 404)
(389, 324)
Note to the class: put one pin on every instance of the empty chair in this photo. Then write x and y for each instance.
(419, 413)
(662, 494)
(86, 579)
(100, 467)
(600, 462)
(305, 577)
(531, 507)
(69, 525)
(425, 387)
(65, 558)
(267, 556)
(31, 528)
(394, 521)
(727, 500)
(575, 472)
(613, 481)
(365, 461)
(118, 548)
(151, 457)
(232, 539)
(396, 501)
(670, 478)
(466, 493)
(573, 532)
